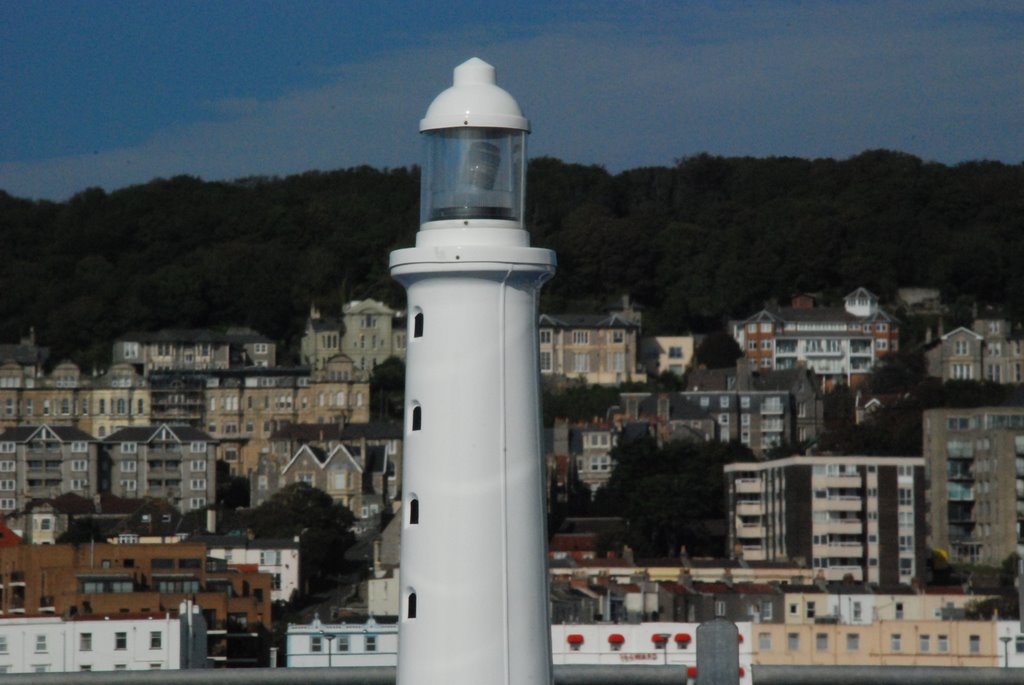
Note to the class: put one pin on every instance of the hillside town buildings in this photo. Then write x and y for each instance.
(990, 349)
(760, 409)
(841, 345)
(595, 349)
(854, 517)
(975, 466)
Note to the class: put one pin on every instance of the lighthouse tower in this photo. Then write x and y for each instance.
(474, 581)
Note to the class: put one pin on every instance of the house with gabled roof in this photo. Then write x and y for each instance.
(177, 463)
(840, 344)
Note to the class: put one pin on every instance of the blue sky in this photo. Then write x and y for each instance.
(110, 94)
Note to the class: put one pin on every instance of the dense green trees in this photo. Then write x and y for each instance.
(707, 238)
(322, 525)
(668, 495)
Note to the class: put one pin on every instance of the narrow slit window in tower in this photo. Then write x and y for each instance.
(417, 417)
(414, 511)
(410, 609)
(417, 325)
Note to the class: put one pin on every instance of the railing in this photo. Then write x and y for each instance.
(563, 675)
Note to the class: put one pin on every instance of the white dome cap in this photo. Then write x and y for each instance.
(474, 100)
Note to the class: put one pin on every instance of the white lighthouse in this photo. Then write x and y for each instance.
(474, 581)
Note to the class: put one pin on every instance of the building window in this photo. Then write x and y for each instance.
(581, 362)
(974, 644)
(156, 640)
(120, 640)
(764, 642)
(810, 610)
(129, 448)
(852, 642)
(343, 643)
(85, 642)
(906, 496)
(371, 643)
(899, 611)
(793, 642)
(316, 645)
(821, 642)
(581, 337)
(40, 643)
(925, 643)
(942, 644)
(896, 642)
(545, 361)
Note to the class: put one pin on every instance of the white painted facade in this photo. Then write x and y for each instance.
(636, 644)
(280, 562)
(119, 642)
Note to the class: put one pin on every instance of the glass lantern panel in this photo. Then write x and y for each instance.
(473, 173)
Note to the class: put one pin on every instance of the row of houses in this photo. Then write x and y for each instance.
(935, 643)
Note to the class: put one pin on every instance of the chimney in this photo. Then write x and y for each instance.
(211, 520)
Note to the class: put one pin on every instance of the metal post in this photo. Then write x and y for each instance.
(1006, 650)
(718, 653)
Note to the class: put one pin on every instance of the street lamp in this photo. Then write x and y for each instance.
(328, 637)
(1005, 639)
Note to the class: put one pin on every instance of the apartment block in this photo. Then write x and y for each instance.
(176, 463)
(244, 408)
(855, 517)
(840, 344)
(975, 466)
(194, 350)
(46, 461)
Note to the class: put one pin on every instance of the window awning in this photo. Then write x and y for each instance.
(575, 639)
(616, 639)
(683, 637)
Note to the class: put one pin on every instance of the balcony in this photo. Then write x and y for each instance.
(751, 486)
(754, 531)
(745, 508)
(840, 526)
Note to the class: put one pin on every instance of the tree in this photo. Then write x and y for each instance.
(718, 350)
(387, 384)
(232, 491)
(322, 525)
(82, 529)
(668, 495)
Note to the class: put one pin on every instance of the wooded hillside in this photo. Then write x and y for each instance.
(708, 238)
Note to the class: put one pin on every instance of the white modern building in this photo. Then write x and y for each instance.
(319, 645)
(115, 642)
